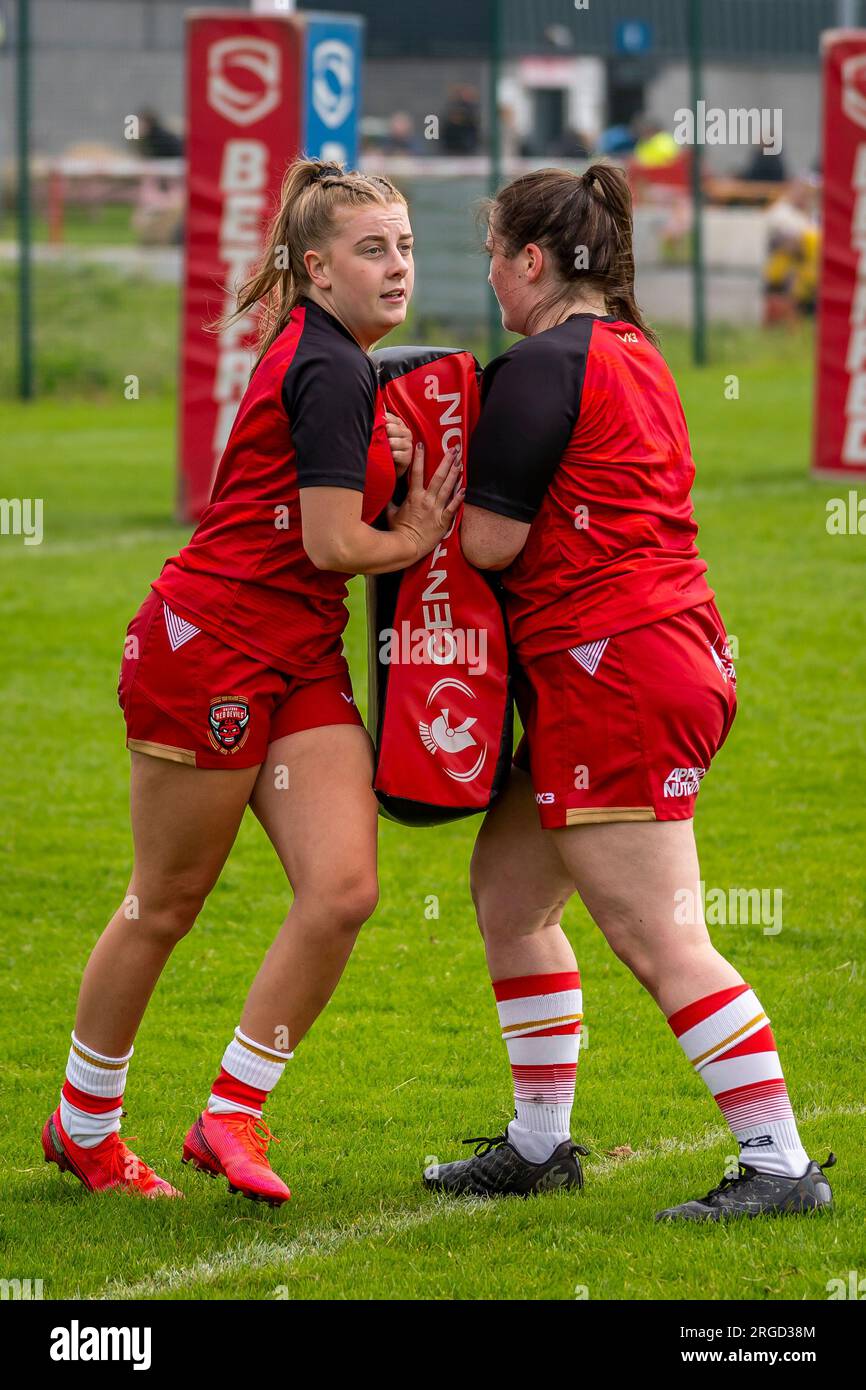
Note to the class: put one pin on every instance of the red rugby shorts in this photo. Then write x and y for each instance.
(625, 728)
(189, 698)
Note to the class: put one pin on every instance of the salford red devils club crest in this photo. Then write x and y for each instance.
(229, 719)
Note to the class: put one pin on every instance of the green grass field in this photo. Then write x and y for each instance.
(407, 1059)
(104, 224)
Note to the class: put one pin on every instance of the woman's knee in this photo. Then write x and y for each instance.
(166, 910)
(639, 961)
(505, 909)
(345, 901)
(653, 951)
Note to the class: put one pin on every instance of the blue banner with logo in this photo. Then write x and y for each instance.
(332, 87)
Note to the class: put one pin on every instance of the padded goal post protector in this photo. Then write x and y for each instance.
(440, 707)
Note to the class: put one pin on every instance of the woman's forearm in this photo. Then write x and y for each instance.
(362, 549)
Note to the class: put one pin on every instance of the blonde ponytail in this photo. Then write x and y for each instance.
(312, 191)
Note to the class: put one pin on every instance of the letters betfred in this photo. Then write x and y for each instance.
(243, 185)
(244, 82)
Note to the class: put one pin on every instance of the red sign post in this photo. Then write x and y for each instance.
(840, 378)
(244, 94)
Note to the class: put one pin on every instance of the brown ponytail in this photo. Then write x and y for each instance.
(571, 214)
(311, 192)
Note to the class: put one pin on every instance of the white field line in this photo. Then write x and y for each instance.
(125, 540)
(261, 1254)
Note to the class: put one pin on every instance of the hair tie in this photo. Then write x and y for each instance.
(327, 171)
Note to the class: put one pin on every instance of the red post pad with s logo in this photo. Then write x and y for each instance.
(440, 702)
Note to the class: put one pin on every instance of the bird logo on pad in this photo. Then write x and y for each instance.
(450, 735)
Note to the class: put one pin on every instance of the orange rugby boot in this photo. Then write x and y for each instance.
(109, 1164)
(236, 1146)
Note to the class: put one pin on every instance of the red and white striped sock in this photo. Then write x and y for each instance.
(728, 1040)
(250, 1070)
(540, 1017)
(91, 1099)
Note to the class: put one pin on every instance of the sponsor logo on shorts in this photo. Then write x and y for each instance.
(723, 659)
(229, 723)
(545, 798)
(350, 699)
(684, 781)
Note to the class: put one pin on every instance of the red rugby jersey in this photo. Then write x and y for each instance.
(312, 416)
(582, 434)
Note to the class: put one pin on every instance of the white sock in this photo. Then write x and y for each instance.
(540, 1018)
(539, 1129)
(728, 1039)
(101, 1080)
(250, 1070)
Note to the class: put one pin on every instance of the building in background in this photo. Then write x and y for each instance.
(569, 73)
(574, 81)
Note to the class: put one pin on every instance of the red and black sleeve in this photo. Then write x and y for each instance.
(530, 403)
(329, 393)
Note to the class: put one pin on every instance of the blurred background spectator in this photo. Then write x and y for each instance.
(793, 244)
(617, 139)
(655, 147)
(763, 167)
(155, 140)
(460, 128)
(400, 135)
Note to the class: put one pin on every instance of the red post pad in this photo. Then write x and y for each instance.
(440, 696)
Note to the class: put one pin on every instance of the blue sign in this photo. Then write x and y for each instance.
(634, 36)
(332, 87)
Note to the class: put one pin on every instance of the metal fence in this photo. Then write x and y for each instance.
(94, 60)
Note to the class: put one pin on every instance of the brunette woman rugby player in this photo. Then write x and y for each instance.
(580, 473)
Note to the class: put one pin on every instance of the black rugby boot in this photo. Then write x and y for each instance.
(753, 1194)
(498, 1170)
